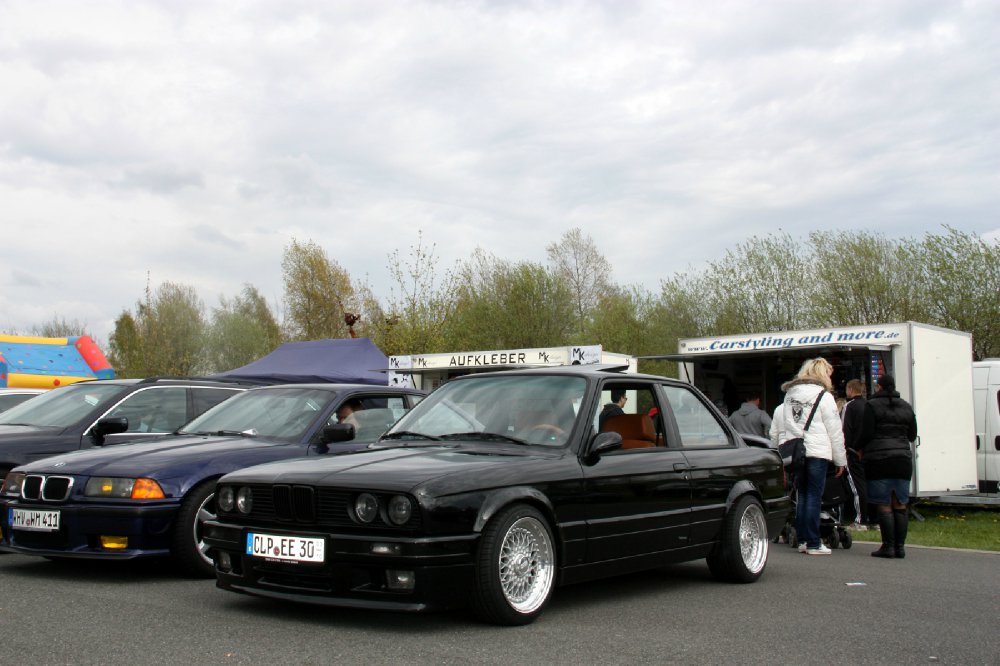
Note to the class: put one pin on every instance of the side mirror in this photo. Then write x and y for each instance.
(602, 443)
(109, 425)
(338, 432)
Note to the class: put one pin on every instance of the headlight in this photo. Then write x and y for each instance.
(366, 507)
(244, 500)
(12, 484)
(225, 499)
(400, 509)
(120, 488)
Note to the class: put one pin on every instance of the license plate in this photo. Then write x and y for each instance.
(39, 521)
(287, 548)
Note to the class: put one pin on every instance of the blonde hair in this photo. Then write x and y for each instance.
(817, 370)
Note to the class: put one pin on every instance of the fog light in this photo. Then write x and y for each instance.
(396, 579)
(114, 542)
(225, 562)
(386, 549)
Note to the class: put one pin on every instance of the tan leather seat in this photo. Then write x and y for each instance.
(637, 430)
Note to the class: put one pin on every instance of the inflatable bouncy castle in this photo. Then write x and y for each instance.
(29, 362)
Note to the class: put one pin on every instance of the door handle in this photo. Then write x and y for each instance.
(996, 443)
(683, 467)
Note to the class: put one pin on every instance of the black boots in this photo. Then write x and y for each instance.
(902, 523)
(887, 526)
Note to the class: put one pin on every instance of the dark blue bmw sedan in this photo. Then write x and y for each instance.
(152, 498)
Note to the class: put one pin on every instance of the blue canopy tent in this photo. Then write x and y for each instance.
(348, 361)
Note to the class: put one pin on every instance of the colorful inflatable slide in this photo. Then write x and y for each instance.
(27, 362)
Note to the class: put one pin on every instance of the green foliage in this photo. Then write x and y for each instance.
(502, 304)
(165, 335)
(243, 329)
(318, 293)
(861, 277)
(963, 286)
(951, 527)
(414, 320)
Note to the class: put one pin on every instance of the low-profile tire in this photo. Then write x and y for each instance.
(741, 554)
(515, 567)
(188, 540)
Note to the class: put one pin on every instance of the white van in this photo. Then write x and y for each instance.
(986, 388)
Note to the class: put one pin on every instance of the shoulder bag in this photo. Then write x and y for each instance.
(793, 451)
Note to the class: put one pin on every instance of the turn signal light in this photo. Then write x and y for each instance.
(114, 542)
(147, 489)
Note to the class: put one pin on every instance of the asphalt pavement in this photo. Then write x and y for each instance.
(936, 606)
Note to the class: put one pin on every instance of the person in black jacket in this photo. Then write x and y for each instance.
(890, 426)
(613, 408)
(853, 418)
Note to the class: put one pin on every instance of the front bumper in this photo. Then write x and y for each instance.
(147, 528)
(352, 575)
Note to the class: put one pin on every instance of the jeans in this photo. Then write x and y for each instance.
(811, 481)
(880, 491)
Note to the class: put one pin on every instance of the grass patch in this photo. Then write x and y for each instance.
(975, 528)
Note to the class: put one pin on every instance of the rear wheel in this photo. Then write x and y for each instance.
(515, 567)
(188, 539)
(741, 554)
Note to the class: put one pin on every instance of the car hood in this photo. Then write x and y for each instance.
(396, 469)
(156, 458)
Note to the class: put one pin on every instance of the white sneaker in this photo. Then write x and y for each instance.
(803, 547)
(822, 550)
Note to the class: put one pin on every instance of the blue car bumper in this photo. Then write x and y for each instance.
(146, 529)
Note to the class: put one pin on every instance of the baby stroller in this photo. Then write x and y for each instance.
(831, 529)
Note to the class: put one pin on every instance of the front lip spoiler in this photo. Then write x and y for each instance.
(337, 602)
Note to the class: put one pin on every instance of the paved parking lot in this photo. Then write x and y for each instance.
(936, 606)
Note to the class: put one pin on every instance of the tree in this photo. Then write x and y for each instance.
(576, 259)
(865, 278)
(502, 304)
(419, 304)
(164, 336)
(963, 286)
(764, 284)
(243, 329)
(59, 327)
(318, 293)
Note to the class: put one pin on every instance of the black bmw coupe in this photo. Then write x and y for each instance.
(499, 487)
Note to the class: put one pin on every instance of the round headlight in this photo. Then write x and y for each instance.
(244, 500)
(400, 509)
(366, 507)
(225, 499)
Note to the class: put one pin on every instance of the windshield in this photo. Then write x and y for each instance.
(63, 406)
(533, 409)
(275, 413)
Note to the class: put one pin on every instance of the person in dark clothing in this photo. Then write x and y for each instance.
(853, 418)
(889, 427)
(613, 408)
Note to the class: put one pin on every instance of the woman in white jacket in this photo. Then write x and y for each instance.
(824, 443)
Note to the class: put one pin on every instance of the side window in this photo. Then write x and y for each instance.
(371, 415)
(631, 410)
(697, 425)
(205, 398)
(161, 409)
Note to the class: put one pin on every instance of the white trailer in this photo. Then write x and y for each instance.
(986, 386)
(932, 367)
(428, 371)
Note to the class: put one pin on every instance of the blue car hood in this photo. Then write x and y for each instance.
(158, 457)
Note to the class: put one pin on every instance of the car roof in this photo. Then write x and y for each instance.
(345, 388)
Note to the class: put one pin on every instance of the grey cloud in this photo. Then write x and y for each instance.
(161, 179)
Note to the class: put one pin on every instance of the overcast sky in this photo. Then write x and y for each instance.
(192, 140)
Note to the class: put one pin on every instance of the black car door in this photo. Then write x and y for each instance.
(637, 498)
(709, 448)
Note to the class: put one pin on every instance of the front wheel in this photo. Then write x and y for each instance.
(188, 540)
(741, 554)
(515, 567)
